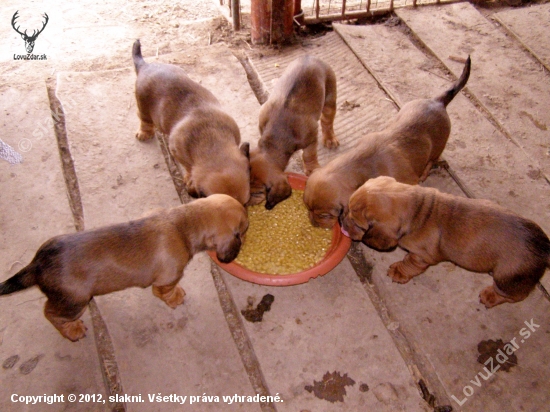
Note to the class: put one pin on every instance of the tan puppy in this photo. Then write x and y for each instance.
(433, 227)
(71, 269)
(202, 137)
(305, 93)
(406, 150)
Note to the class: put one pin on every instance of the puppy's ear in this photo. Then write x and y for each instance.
(379, 237)
(381, 214)
(277, 192)
(245, 149)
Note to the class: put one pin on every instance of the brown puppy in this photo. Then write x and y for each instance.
(71, 269)
(406, 150)
(202, 137)
(305, 93)
(433, 227)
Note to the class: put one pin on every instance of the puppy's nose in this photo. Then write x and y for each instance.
(230, 253)
(350, 229)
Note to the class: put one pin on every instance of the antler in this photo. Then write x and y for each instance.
(35, 33)
(44, 25)
(15, 16)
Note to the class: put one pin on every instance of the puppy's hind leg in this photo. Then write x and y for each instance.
(146, 129)
(412, 265)
(173, 295)
(510, 288)
(66, 318)
(490, 297)
(329, 112)
(309, 158)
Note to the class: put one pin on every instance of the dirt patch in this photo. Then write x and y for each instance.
(29, 365)
(10, 362)
(257, 314)
(332, 388)
(495, 353)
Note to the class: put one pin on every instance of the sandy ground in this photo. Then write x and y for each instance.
(371, 339)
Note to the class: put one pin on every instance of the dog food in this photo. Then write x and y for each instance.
(282, 240)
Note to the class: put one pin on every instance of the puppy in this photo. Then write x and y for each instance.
(433, 227)
(202, 137)
(71, 269)
(405, 150)
(288, 121)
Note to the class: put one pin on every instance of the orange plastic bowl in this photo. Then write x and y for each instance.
(338, 249)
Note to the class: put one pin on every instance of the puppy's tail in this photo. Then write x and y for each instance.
(449, 95)
(136, 56)
(23, 279)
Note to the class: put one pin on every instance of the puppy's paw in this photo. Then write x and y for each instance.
(142, 136)
(489, 297)
(308, 170)
(74, 330)
(172, 296)
(396, 274)
(177, 297)
(331, 142)
(310, 164)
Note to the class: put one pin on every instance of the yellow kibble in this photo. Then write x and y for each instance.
(282, 240)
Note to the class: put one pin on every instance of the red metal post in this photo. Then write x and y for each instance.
(282, 18)
(260, 21)
(236, 14)
(271, 21)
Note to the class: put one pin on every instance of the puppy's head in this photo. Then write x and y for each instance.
(225, 223)
(231, 178)
(325, 198)
(378, 212)
(267, 181)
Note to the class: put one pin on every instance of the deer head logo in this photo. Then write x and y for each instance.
(29, 40)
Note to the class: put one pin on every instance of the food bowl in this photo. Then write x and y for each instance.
(338, 248)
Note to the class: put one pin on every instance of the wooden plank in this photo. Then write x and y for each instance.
(509, 82)
(34, 208)
(158, 350)
(530, 25)
(439, 310)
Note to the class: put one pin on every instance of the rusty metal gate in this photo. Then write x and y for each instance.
(314, 11)
(318, 11)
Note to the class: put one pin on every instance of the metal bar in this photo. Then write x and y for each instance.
(260, 22)
(236, 14)
(391, 5)
(343, 7)
(349, 16)
(317, 8)
(359, 14)
(298, 12)
(282, 15)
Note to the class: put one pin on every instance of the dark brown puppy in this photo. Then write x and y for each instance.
(406, 150)
(289, 120)
(433, 227)
(71, 269)
(202, 137)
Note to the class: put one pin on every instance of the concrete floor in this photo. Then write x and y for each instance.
(348, 341)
